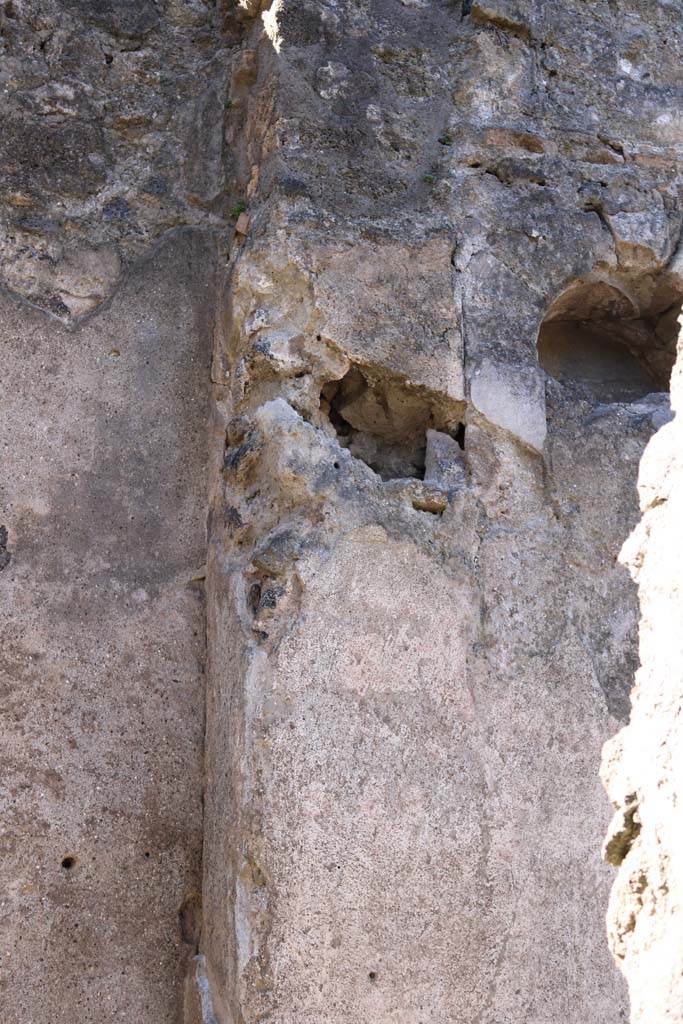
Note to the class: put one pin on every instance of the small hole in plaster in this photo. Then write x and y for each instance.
(372, 975)
(68, 863)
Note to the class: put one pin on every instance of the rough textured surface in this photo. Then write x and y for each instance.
(442, 344)
(418, 647)
(115, 198)
(102, 646)
(114, 120)
(643, 765)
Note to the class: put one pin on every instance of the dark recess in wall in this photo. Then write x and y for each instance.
(594, 337)
(384, 422)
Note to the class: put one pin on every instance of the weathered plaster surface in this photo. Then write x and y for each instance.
(115, 211)
(102, 646)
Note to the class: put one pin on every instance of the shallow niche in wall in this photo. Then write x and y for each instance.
(384, 421)
(620, 348)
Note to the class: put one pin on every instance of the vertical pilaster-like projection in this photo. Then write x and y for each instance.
(419, 636)
(103, 431)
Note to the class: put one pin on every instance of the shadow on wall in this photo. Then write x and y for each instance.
(608, 348)
(386, 422)
(620, 345)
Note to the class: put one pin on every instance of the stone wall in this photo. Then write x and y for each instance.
(434, 245)
(419, 634)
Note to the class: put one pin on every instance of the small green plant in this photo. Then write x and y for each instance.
(229, 104)
(429, 179)
(237, 209)
(446, 139)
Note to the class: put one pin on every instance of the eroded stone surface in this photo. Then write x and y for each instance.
(642, 766)
(114, 118)
(411, 681)
(418, 634)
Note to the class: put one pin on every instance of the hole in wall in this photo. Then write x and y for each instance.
(68, 863)
(254, 597)
(595, 336)
(608, 344)
(384, 421)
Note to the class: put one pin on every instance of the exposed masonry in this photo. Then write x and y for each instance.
(444, 338)
(615, 340)
(642, 764)
(403, 433)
